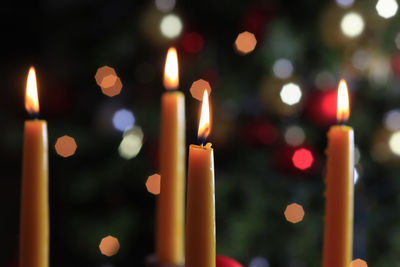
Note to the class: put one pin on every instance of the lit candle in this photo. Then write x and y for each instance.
(34, 225)
(338, 234)
(171, 200)
(200, 210)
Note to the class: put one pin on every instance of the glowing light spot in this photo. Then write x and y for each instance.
(356, 176)
(171, 26)
(153, 184)
(345, 3)
(65, 146)
(294, 135)
(352, 24)
(391, 120)
(245, 43)
(109, 246)
(387, 8)
(282, 68)
(108, 81)
(329, 104)
(302, 159)
(193, 42)
(131, 143)
(198, 87)
(224, 261)
(358, 263)
(290, 94)
(394, 143)
(294, 213)
(259, 262)
(360, 59)
(123, 119)
(165, 5)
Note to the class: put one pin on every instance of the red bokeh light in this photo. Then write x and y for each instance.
(302, 159)
(193, 42)
(329, 104)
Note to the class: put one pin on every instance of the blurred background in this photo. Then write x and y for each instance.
(269, 105)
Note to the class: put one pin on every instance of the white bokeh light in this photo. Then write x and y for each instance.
(352, 24)
(391, 120)
(290, 94)
(283, 68)
(259, 262)
(123, 119)
(360, 59)
(394, 143)
(387, 8)
(165, 5)
(345, 3)
(294, 135)
(171, 26)
(131, 143)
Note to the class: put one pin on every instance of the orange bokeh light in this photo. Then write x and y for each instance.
(343, 109)
(65, 146)
(109, 246)
(245, 43)
(108, 80)
(171, 70)
(153, 184)
(198, 87)
(358, 263)
(204, 124)
(294, 213)
(31, 96)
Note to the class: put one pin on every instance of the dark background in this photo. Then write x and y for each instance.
(96, 193)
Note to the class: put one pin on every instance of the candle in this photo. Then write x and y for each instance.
(34, 225)
(200, 210)
(171, 200)
(338, 235)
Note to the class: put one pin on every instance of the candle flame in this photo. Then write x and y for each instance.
(171, 70)
(204, 124)
(343, 110)
(31, 96)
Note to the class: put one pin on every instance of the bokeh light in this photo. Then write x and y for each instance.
(245, 43)
(109, 246)
(65, 146)
(283, 68)
(198, 87)
(290, 94)
(345, 3)
(352, 24)
(193, 42)
(123, 119)
(171, 26)
(108, 81)
(294, 135)
(165, 5)
(302, 158)
(153, 184)
(391, 120)
(387, 8)
(394, 143)
(358, 263)
(259, 262)
(294, 213)
(131, 143)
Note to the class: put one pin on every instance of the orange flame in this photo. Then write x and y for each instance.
(171, 70)
(31, 96)
(343, 110)
(204, 124)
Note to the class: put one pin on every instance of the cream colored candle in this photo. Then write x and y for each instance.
(338, 232)
(34, 224)
(171, 200)
(200, 210)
